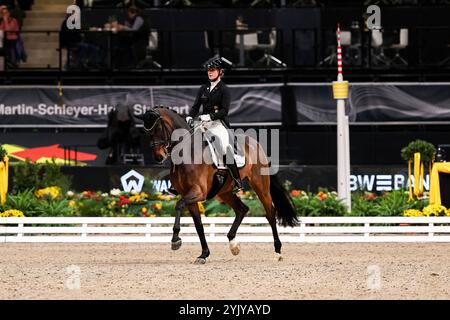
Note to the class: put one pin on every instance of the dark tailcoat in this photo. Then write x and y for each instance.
(215, 103)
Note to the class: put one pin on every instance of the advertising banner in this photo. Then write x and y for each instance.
(88, 106)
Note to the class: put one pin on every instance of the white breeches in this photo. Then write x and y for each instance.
(218, 135)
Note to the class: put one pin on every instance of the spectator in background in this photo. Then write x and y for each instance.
(87, 54)
(133, 44)
(18, 13)
(11, 28)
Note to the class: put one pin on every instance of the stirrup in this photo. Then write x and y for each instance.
(237, 187)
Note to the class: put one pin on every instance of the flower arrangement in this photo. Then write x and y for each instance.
(12, 214)
(432, 210)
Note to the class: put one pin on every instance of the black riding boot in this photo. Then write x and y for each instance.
(236, 176)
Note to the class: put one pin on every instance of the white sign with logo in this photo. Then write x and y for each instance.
(132, 181)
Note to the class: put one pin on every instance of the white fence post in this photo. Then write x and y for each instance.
(20, 234)
(367, 227)
(431, 234)
(148, 226)
(212, 234)
(84, 226)
(302, 231)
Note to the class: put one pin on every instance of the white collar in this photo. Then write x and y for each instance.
(213, 84)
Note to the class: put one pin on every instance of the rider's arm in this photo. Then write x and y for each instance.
(196, 106)
(226, 99)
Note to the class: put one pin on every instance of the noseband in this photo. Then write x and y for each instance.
(166, 141)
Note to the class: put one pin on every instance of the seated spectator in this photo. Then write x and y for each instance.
(132, 47)
(88, 54)
(11, 28)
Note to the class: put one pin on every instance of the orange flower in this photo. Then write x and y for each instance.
(369, 196)
(144, 210)
(295, 193)
(157, 206)
(322, 195)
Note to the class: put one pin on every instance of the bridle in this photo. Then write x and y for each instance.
(166, 141)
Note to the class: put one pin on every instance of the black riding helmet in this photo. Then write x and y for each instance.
(217, 62)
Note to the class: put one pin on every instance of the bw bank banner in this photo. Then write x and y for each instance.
(24, 105)
(376, 102)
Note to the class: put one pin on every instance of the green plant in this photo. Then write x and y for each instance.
(92, 208)
(361, 206)
(3, 153)
(324, 203)
(52, 176)
(24, 201)
(426, 149)
(54, 208)
(25, 177)
(393, 203)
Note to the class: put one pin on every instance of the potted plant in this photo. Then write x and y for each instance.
(422, 153)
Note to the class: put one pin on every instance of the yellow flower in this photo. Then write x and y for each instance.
(135, 198)
(52, 192)
(12, 214)
(413, 213)
(434, 210)
(201, 208)
(72, 203)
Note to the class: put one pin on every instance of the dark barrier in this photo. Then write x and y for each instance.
(309, 178)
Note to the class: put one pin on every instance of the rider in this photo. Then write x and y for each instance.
(215, 98)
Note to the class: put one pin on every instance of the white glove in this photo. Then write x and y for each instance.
(189, 120)
(205, 117)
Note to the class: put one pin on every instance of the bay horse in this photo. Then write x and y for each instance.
(194, 182)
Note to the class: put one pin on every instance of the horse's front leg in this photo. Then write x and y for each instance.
(191, 201)
(176, 240)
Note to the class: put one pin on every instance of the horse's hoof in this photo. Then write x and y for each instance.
(200, 261)
(278, 257)
(235, 247)
(176, 245)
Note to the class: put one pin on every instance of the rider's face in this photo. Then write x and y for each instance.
(213, 73)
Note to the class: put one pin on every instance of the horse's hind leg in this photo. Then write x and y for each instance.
(240, 209)
(261, 185)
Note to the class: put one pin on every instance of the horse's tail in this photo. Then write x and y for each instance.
(285, 209)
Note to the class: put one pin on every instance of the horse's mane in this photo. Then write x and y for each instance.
(174, 116)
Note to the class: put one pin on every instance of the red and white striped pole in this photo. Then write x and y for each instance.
(340, 77)
(340, 93)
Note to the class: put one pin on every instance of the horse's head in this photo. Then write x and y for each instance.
(160, 132)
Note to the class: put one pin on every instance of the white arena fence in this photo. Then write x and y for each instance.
(252, 229)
